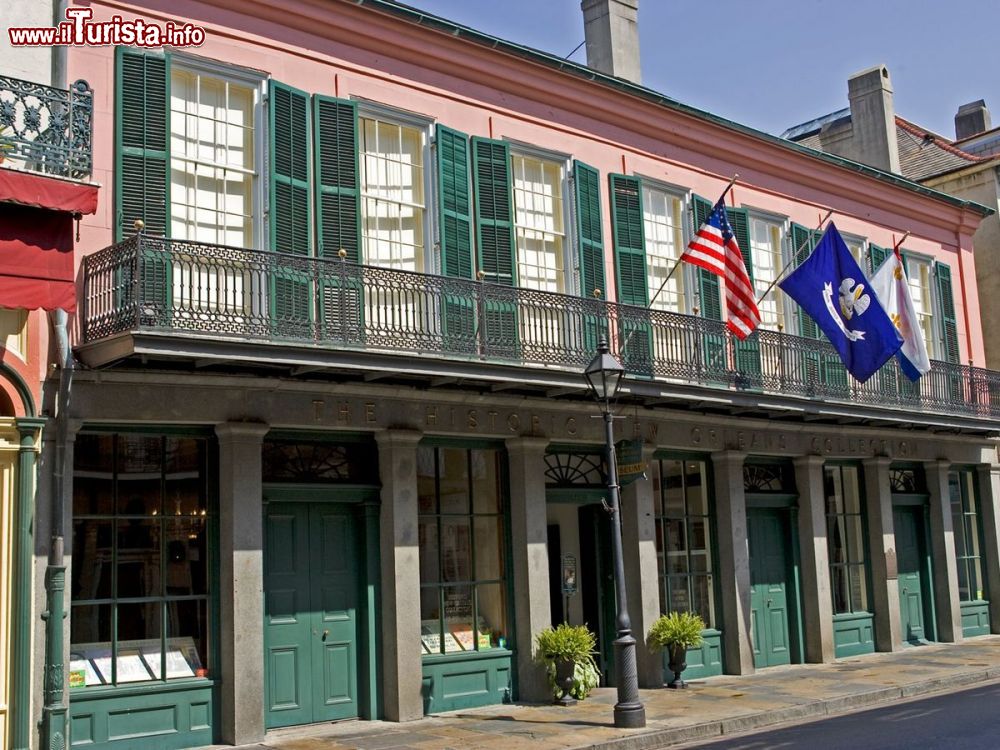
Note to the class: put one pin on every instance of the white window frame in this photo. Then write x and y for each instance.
(865, 249)
(258, 83)
(787, 307)
(936, 346)
(689, 272)
(368, 109)
(571, 251)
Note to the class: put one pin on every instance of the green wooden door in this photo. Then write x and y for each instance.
(910, 557)
(597, 582)
(310, 614)
(769, 616)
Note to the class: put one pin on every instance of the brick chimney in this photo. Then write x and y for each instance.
(873, 120)
(972, 119)
(612, 32)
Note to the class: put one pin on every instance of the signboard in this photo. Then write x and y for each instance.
(628, 459)
(568, 575)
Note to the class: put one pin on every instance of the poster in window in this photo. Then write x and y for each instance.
(131, 667)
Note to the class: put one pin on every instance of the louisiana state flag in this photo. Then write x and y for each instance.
(833, 290)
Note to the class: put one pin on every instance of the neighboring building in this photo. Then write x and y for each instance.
(331, 451)
(870, 132)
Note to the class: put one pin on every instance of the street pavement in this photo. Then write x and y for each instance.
(709, 709)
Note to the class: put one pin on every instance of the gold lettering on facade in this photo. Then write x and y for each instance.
(741, 440)
(344, 413)
(571, 426)
(513, 422)
(493, 420)
(431, 416)
(472, 420)
(696, 435)
(536, 424)
(652, 431)
(318, 405)
(370, 412)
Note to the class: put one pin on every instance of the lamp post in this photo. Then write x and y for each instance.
(604, 376)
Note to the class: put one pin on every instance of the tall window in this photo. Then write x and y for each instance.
(965, 520)
(212, 174)
(14, 330)
(539, 221)
(765, 252)
(919, 273)
(662, 215)
(845, 540)
(393, 207)
(463, 605)
(684, 539)
(141, 574)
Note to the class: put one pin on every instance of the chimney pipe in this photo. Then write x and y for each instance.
(612, 34)
(972, 119)
(873, 119)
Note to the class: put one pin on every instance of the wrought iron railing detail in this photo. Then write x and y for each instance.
(148, 283)
(45, 129)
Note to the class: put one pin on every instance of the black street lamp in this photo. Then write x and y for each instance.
(604, 376)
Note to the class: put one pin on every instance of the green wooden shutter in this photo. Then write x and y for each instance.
(804, 241)
(589, 234)
(630, 265)
(337, 199)
(889, 379)
(142, 158)
(876, 257)
(946, 304)
(455, 227)
(746, 353)
(709, 291)
(494, 210)
(290, 210)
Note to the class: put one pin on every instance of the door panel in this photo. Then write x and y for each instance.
(769, 564)
(311, 620)
(910, 556)
(287, 621)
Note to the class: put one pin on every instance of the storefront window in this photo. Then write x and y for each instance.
(965, 522)
(684, 539)
(845, 540)
(141, 576)
(463, 597)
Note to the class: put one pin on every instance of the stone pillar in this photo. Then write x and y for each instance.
(529, 537)
(402, 670)
(641, 574)
(817, 602)
(241, 581)
(988, 503)
(882, 548)
(947, 609)
(734, 561)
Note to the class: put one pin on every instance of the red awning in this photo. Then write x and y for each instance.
(34, 189)
(36, 258)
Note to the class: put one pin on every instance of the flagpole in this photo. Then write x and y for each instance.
(794, 256)
(895, 248)
(677, 263)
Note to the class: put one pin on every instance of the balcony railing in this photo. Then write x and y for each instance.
(189, 288)
(48, 130)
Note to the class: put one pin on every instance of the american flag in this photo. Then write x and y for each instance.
(715, 249)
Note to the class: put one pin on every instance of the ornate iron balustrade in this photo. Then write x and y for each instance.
(47, 129)
(148, 283)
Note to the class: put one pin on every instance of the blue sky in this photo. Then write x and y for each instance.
(771, 64)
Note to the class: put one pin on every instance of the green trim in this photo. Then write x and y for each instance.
(574, 495)
(853, 634)
(314, 436)
(771, 500)
(975, 618)
(578, 70)
(437, 441)
(102, 692)
(286, 492)
(467, 680)
(370, 682)
(909, 498)
(703, 661)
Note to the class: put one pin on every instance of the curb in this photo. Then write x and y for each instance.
(662, 738)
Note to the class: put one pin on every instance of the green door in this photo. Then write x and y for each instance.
(910, 558)
(310, 614)
(597, 582)
(769, 618)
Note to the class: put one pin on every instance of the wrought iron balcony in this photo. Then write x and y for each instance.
(48, 130)
(190, 289)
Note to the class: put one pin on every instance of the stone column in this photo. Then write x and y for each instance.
(947, 610)
(734, 561)
(816, 599)
(882, 549)
(529, 536)
(241, 581)
(988, 501)
(402, 670)
(641, 574)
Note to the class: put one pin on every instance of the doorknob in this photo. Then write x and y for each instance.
(325, 634)
(769, 602)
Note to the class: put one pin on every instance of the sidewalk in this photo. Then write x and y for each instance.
(707, 709)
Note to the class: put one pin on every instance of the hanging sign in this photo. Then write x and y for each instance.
(628, 459)
(568, 575)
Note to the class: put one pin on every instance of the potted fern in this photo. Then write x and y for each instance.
(568, 654)
(675, 633)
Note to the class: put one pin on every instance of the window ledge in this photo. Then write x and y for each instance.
(491, 653)
(95, 692)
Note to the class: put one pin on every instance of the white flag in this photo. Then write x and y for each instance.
(889, 285)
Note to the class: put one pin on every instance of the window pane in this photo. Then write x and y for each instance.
(698, 539)
(454, 483)
(430, 571)
(839, 585)
(492, 611)
(855, 542)
(677, 588)
(139, 557)
(489, 548)
(859, 589)
(90, 643)
(975, 578)
(430, 620)
(456, 555)
(187, 556)
(187, 639)
(426, 483)
(139, 469)
(964, 590)
(697, 488)
(701, 604)
(458, 634)
(851, 489)
(139, 629)
(663, 229)
(93, 486)
(673, 489)
(185, 478)
(92, 556)
(485, 481)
